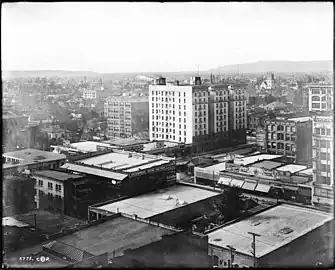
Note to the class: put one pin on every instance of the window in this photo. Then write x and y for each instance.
(328, 132)
(40, 183)
(50, 186)
(58, 188)
(323, 143)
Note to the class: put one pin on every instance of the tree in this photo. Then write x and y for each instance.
(231, 205)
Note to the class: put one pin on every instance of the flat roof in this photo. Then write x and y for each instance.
(266, 164)
(292, 168)
(154, 203)
(88, 146)
(300, 119)
(94, 171)
(57, 175)
(277, 226)
(124, 141)
(33, 155)
(117, 234)
(252, 159)
(308, 171)
(123, 160)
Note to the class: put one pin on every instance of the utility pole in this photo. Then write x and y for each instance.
(254, 246)
(231, 249)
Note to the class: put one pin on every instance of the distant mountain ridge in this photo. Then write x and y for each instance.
(277, 67)
(256, 67)
(48, 73)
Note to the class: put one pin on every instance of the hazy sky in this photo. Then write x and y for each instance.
(139, 37)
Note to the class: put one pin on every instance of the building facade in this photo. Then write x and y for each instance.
(126, 118)
(196, 114)
(323, 157)
(54, 190)
(89, 94)
(320, 97)
(290, 137)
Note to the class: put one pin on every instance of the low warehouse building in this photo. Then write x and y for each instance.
(172, 206)
(129, 173)
(289, 236)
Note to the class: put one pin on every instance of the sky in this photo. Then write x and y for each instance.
(153, 37)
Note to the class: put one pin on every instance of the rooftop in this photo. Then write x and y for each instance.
(252, 159)
(277, 227)
(88, 146)
(308, 171)
(119, 160)
(292, 168)
(124, 142)
(57, 175)
(300, 119)
(33, 155)
(154, 203)
(94, 171)
(125, 233)
(266, 164)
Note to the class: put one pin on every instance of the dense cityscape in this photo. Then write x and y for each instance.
(206, 168)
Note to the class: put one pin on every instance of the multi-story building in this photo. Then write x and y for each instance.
(54, 189)
(196, 114)
(323, 157)
(290, 137)
(89, 94)
(127, 118)
(31, 159)
(320, 97)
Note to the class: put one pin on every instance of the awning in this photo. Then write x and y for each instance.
(237, 183)
(224, 181)
(249, 185)
(291, 188)
(263, 188)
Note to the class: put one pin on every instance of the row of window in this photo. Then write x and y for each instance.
(166, 99)
(280, 136)
(322, 156)
(158, 117)
(50, 186)
(158, 93)
(282, 146)
(323, 91)
(167, 130)
(318, 98)
(320, 105)
(281, 128)
(161, 136)
(322, 131)
(322, 143)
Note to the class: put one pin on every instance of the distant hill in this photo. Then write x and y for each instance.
(278, 67)
(48, 73)
(257, 67)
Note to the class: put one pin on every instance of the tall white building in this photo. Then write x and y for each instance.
(195, 113)
(323, 157)
(320, 97)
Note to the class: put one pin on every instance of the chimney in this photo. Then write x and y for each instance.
(197, 80)
(177, 82)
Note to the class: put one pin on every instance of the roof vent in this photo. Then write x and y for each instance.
(286, 230)
(27, 153)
